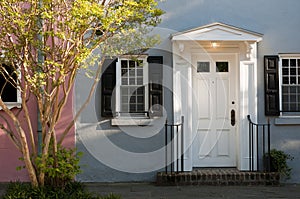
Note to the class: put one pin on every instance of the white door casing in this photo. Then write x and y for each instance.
(214, 102)
(236, 42)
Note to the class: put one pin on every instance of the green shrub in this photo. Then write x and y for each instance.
(279, 162)
(72, 190)
(60, 168)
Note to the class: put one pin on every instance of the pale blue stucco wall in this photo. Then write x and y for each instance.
(277, 20)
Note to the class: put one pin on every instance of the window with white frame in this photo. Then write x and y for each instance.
(290, 83)
(132, 86)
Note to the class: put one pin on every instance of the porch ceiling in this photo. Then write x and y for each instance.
(217, 32)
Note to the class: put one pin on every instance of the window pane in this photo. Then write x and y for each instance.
(123, 64)
(285, 98)
(132, 90)
(124, 91)
(139, 72)
(140, 99)
(285, 89)
(132, 108)
(140, 81)
(286, 80)
(221, 66)
(125, 99)
(124, 81)
(298, 61)
(132, 73)
(131, 81)
(285, 71)
(293, 89)
(140, 91)
(285, 107)
(293, 80)
(292, 62)
(140, 108)
(125, 108)
(203, 67)
(124, 72)
(293, 71)
(293, 98)
(285, 62)
(140, 63)
(132, 99)
(7, 90)
(131, 64)
(293, 107)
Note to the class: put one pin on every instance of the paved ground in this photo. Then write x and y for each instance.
(150, 191)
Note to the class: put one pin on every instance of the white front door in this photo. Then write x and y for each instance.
(214, 110)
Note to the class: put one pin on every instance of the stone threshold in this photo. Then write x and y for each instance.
(217, 176)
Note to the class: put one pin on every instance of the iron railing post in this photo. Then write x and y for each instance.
(166, 146)
(177, 149)
(269, 146)
(172, 148)
(182, 144)
(257, 149)
(260, 128)
(249, 142)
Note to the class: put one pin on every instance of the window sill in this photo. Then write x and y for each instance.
(131, 121)
(11, 105)
(287, 120)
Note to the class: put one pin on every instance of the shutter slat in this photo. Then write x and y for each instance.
(271, 86)
(155, 85)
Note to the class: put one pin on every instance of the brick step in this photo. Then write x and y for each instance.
(217, 177)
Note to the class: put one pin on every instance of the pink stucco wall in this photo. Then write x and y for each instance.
(9, 155)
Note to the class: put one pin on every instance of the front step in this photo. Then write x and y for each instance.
(218, 177)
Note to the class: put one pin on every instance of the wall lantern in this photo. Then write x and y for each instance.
(214, 44)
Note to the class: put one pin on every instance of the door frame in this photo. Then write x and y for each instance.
(229, 39)
(219, 56)
(247, 94)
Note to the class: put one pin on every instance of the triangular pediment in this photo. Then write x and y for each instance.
(217, 32)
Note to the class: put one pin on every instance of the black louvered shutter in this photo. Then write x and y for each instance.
(108, 83)
(271, 86)
(155, 85)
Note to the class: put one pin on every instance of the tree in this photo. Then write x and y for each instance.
(45, 43)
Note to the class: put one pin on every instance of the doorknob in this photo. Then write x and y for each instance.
(232, 117)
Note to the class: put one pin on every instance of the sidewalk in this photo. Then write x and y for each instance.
(150, 191)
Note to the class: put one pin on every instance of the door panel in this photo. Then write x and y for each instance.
(222, 98)
(204, 97)
(214, 90)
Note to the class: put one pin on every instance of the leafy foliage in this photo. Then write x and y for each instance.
(61, 167)
(279, 162)
(73, 190)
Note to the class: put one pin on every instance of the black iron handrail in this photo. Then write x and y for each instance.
(261, 134)
(173, 129)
